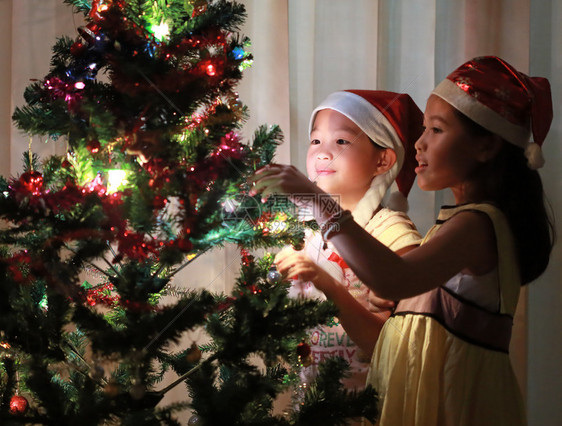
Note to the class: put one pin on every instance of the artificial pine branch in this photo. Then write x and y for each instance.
(166, 118)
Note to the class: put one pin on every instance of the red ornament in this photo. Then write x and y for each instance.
(93, 146)
(184, 245)
(303, 350)
(77, 48)
(199, 7)
(89, 32)
(97, 10)
(32, 182)
(18, 404)
(159, 202)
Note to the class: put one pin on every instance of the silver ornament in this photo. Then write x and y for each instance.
(194, 421)
(273, 275)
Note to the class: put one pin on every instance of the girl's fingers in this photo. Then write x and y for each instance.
(302, 271)
(283, 254)
(263, 185)
(284, 265)
(278, 178)
(286, 258)
(263, 172)
(376, 304)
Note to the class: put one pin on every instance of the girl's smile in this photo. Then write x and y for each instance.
(341, 159)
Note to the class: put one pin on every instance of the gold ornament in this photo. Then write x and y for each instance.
(111, 389)
(307, 360)
(193, 354)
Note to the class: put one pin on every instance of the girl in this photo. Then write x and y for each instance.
(441, 359)
(360, 142)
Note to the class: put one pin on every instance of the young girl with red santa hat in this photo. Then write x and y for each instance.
(442, 358)
(361, 141)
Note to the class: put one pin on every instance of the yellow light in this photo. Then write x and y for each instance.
(115, 179)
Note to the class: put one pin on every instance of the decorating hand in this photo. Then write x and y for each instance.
(280, 178)
(293, 263)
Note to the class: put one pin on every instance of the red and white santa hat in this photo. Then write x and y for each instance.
(503, 100)
(391, 120)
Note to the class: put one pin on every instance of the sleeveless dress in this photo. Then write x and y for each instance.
(442, 359)
(392, 228)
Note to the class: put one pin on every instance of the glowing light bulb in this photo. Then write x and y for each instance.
(211, 70)
(115, 179)
(161, 31)
(79, 85)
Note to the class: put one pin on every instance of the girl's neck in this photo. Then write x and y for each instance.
(346, 202)
(469, 193)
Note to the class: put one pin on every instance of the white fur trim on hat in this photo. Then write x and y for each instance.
(535, 159)
(481, 114)
(377, 127)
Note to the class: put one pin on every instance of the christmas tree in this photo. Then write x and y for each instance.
(154, 176)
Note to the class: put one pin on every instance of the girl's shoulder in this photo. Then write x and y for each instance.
(394, 229)
(386, 217)
(471, 229)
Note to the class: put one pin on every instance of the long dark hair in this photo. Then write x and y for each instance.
(518, 193)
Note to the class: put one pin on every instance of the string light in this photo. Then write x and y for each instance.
(211, 70)
(115, 179)
(160, 31)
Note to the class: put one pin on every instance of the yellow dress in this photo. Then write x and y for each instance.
(443, 360)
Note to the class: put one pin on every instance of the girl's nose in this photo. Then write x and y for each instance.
(324, 154)
(419, 145)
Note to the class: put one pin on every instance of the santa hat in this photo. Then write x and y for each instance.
(503, 100)
(391, 120)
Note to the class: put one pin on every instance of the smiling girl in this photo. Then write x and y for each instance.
(360, 143)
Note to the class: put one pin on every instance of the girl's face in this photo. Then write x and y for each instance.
(447, 155)
(341, 159)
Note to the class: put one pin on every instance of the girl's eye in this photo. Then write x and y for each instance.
(342, 142)
(314, 142)
(432, 129)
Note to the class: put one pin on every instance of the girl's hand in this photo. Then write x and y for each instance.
(293, 263)
(279, 178)
(377, 305)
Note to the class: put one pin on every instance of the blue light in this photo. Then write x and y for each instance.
(238, 53)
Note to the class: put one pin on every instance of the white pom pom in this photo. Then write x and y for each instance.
(533, 153)
(397, 202)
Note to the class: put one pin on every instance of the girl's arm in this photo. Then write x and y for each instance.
(466, 242)
(362, 326)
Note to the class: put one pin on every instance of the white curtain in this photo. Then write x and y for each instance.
(305, 49)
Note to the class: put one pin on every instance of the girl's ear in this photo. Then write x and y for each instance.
(489, 147)
(385, 162)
